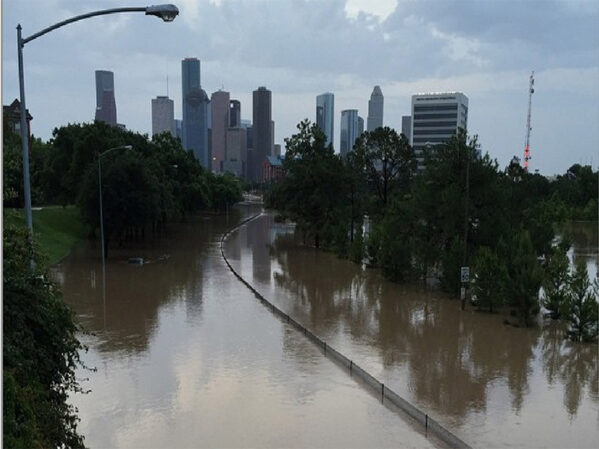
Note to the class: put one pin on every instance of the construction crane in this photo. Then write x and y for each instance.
(531, 91)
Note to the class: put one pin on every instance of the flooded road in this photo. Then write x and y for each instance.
(493, 385)
(185, 356)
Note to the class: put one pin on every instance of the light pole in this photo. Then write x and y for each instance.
(165, 12)
(100, 155)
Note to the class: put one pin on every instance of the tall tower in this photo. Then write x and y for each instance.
(261, 130)
(219, 105)
(105, 103)
(531, 91)
(163, 115)
(375, 109)
(234, 114)
(195, 112)
(325, 115)
(350, 127)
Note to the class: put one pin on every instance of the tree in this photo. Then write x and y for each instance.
(490, 279)
(312, 192)
(580, 308)
(387, 161)
(41, 352)
(525, 276)
(555, 282)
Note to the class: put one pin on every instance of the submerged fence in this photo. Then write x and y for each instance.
(387, 396)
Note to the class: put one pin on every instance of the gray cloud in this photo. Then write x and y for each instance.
(300, 48)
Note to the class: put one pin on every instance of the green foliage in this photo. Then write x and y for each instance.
(525, 276)
(40, 353)
(580, 307)
(226, 190)
(314, 185)
(57, 229)
(387, 163)
(490, 279)
(555, 282)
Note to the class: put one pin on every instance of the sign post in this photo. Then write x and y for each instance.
(464, 279)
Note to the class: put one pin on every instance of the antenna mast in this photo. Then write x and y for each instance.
(531, 91)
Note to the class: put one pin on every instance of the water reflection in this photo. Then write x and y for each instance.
(134, 294)
(466, 367)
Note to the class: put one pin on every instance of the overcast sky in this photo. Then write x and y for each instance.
(301, 48)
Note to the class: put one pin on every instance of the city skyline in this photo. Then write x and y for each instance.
(405, 47)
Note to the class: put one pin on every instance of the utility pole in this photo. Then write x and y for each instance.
(531, 91)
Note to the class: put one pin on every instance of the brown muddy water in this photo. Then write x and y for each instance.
(186, 356)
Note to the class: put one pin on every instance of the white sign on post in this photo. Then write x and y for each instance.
(465, 274)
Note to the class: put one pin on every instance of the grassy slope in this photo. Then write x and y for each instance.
(56, 229)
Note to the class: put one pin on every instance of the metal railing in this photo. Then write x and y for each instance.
(386, 395)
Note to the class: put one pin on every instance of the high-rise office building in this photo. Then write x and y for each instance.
(179, 129)
(406, 126)
(195, 112)
(105, 102)
(236, 161)
(234, 114)
(220, 107)
(163, 115)
(375, 109)
(436, 117)
(325, 115)
(350, 130)
(262, 130)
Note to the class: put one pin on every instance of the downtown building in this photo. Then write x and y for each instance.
(352, 126)
(163, 116)
(375, 109)
(220, 103)
(262, 132)
(325, 115)
(105, 102)
(436, 117)
(196, 113)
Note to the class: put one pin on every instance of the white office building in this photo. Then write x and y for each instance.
(436, 117)
(163, 115)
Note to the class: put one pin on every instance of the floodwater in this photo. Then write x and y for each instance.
(493, 385)
(186, 356)
(183, 355)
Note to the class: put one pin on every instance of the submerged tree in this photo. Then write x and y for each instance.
(580, 308)
(490, 280)
(555, 282)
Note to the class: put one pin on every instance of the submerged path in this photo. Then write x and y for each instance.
(386, 395)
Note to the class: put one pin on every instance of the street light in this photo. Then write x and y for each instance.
(100, 155)
(166, 12)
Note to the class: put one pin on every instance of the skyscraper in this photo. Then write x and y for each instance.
(325, 115)
(195, 111)
(406, 126)
(262, 130)
(375, 109)
(236, 161)
(350, 127)
(163, 115)
(234, 114)
(435, 118)
(105, 103)
(219, 105)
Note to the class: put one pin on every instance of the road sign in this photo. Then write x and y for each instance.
(465, 274)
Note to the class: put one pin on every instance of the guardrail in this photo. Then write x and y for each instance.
(387, 395)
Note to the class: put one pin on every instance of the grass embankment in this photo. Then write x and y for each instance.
(56, 229)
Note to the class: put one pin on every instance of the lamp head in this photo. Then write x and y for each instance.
(166, 12)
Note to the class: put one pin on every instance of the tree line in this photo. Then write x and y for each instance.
(456, 209)
(142, 189)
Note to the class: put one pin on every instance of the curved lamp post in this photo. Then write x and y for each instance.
(165, 12)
